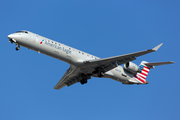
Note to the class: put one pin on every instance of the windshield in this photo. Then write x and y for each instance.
(22, 32)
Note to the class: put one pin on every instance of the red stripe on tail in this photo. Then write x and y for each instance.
(140, 79)
(143, 74)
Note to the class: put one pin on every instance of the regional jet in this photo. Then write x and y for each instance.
(83, 65)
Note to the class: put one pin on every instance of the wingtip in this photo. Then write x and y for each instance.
(157, 47)
(171, 62)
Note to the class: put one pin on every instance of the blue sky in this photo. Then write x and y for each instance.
(102, 28)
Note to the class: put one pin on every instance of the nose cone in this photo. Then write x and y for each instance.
(147, 82)
(14, 36)
(10, 36)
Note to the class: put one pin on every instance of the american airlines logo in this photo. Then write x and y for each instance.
(42, 41)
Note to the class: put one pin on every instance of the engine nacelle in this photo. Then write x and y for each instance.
(131, 67)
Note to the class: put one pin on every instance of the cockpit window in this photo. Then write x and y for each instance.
(22, 32)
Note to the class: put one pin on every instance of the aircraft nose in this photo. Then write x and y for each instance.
(10, 36)
(147, 82)
(14, 36)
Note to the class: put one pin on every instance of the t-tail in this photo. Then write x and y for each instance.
(145, 67)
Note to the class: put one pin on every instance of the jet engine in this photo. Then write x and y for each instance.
(131, 67)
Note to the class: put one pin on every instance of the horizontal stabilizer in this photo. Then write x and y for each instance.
(158, 63)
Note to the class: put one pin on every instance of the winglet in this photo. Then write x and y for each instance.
(157, 47)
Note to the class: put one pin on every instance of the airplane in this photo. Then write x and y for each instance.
(83, 65)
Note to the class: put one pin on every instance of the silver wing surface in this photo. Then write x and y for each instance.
(70, 77)
(109, 63)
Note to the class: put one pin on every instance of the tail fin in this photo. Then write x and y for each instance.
(144, 70)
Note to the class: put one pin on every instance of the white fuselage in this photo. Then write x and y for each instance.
(65, 53)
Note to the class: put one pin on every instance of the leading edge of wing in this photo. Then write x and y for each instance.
(109, 60)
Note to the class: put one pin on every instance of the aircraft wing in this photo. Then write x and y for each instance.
(69, 78)
(111, 62)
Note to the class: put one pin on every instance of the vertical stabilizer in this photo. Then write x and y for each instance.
(141, 76)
